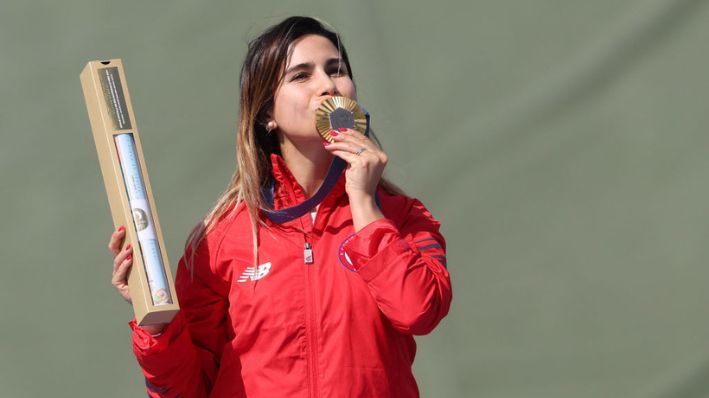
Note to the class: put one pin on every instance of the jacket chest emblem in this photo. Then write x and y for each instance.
(342, 255)
(255, 273)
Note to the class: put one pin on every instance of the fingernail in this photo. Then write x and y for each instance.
(130, 257)
(326, 143)
(342, 129)
(334, 133)
(128, 247)
(121, 228)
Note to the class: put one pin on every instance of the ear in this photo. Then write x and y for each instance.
(265, 115)
(269, 111)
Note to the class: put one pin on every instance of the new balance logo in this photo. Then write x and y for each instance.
(255, 273)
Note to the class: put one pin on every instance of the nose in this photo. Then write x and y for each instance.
(327, 86)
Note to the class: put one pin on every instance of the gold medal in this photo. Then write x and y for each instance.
(339, 112)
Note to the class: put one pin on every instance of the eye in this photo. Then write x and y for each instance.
(299, 76)
(338, 72)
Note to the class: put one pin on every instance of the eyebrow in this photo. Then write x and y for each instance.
(310, 65)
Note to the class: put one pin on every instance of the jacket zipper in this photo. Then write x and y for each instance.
(307, 253)
(311, 326)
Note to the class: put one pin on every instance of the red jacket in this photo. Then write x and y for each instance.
(341, 326)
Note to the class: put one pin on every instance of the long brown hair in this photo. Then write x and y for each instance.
(261, 75)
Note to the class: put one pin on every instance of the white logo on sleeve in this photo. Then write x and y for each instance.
(255, 273)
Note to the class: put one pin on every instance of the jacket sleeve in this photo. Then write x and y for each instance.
(184, 360)
(404, 268)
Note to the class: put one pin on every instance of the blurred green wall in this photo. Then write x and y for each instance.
(561, 143)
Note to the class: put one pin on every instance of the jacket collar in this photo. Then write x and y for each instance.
(287, 192)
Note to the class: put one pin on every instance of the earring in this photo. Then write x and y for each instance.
(270, 126)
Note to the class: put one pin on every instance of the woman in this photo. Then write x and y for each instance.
(324, 305)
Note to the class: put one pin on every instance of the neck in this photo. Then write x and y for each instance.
(308, 161)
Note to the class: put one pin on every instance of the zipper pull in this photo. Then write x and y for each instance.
(308, 254)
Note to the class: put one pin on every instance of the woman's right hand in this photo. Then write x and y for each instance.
(122, 261)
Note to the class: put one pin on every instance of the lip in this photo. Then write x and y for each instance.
(319, 103)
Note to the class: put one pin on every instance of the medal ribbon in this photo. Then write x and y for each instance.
(333, 174)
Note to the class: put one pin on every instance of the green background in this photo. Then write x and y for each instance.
(561, 143)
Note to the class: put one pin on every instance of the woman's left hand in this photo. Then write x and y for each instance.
(365, 165)
(365, 162)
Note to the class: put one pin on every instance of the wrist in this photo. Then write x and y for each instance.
(362, 199)
(364, 211)
(154, 330)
